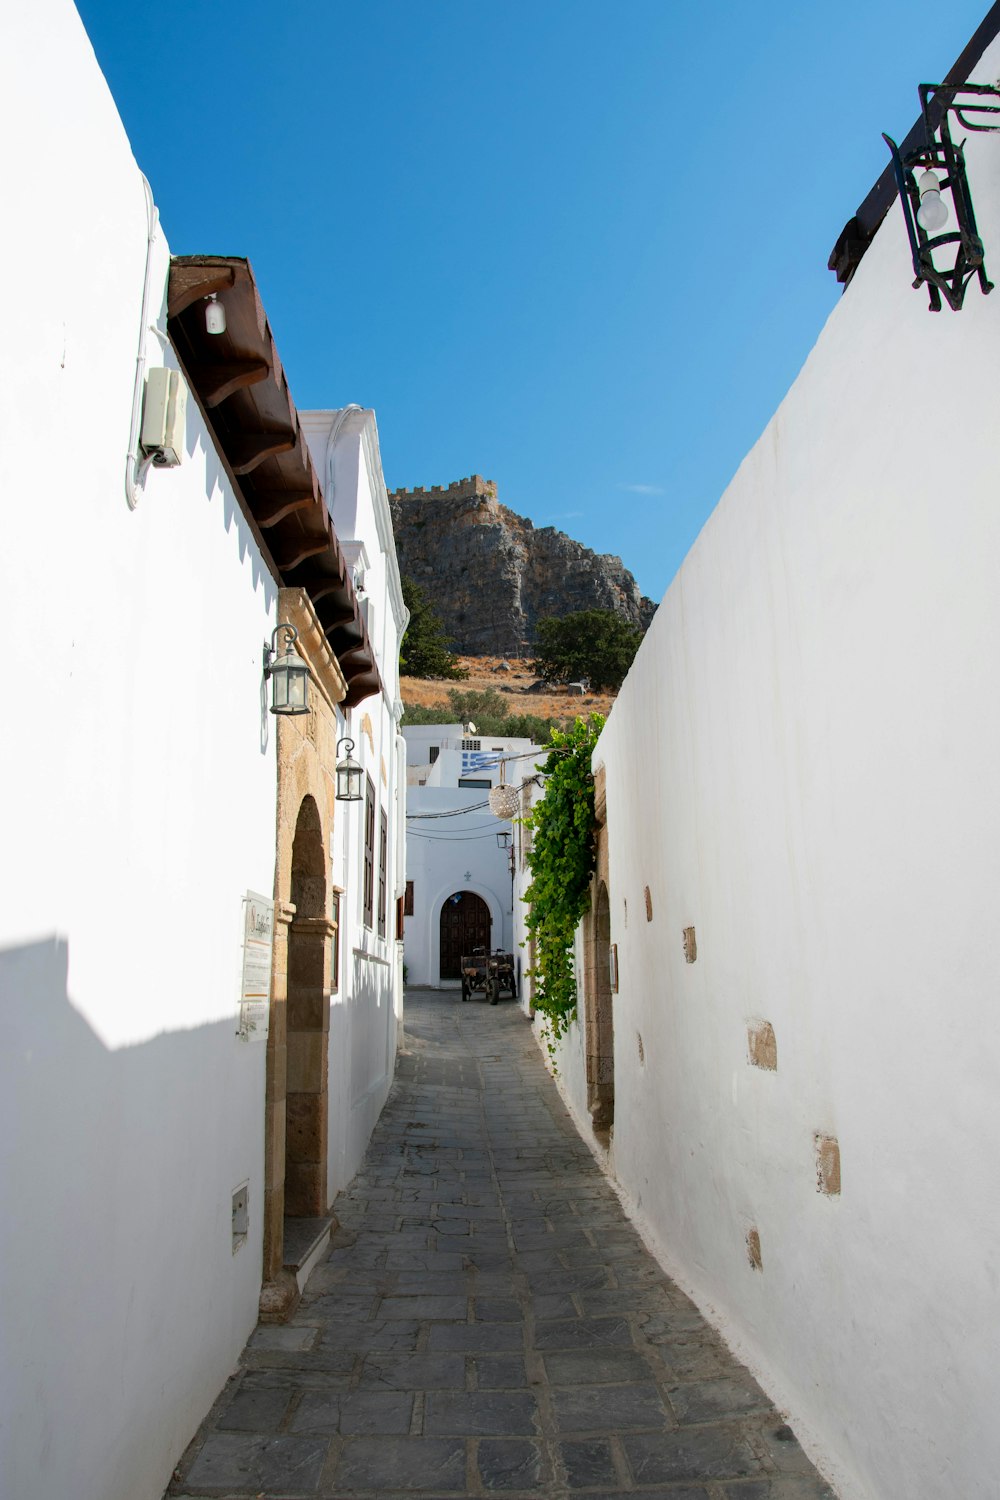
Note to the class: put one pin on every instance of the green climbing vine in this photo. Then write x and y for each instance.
(561, 861)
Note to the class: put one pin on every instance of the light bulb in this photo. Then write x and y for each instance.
(932, 213)
(215, 315)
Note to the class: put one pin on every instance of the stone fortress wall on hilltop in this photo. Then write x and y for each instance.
(492, 575)
(461, 489)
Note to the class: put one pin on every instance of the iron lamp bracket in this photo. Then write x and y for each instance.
(940, 154)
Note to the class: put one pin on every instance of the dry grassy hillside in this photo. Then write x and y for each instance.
(510, 677)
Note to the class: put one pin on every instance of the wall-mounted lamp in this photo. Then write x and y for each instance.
(349, 775)
(215, 315)
(504, 839)
(288, 673)
(937, 167)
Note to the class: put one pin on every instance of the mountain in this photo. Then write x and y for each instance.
(492, 575)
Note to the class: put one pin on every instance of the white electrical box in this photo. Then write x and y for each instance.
(163, 417)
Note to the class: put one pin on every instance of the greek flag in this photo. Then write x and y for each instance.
(478, 760)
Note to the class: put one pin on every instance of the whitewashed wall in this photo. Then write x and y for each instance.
(803, 766)
(366, 1011)
(455, 854)
(138, 808)
(460, 852)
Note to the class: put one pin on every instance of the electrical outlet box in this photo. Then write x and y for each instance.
(164, 409)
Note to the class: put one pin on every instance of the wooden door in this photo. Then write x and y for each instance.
(465, 925)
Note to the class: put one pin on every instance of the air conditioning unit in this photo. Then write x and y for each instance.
(164, 409)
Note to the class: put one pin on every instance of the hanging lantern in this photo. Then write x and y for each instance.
(288, 673)
(505, 801)
(349, 775)
(935, 167)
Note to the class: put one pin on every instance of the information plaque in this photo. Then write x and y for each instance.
(258, 942)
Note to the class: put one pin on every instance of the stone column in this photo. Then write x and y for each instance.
(279, 1293)
(307, 1103)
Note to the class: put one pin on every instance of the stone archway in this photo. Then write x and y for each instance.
(465, 924)
(297, 1111)
(308, 1021)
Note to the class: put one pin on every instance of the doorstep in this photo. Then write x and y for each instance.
(305, 1243)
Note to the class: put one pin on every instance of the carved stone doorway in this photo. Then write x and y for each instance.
(600, 1022)
(308, 1012)
(465, 926)
(297, 1105)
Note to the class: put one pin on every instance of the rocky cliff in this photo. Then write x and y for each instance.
(492, 575)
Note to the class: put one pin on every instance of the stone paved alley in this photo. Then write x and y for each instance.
(487, 1320)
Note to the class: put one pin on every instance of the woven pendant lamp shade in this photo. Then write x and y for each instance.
(505, 801)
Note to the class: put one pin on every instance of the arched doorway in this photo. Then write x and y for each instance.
(306, 1101)
(465, 925)
(600, 1021)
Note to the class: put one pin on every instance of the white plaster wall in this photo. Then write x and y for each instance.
(461, 852)
(362, 1039)
(454, 854)
(365, 1011)
(420, 737)
(802, 764)
(139, 808)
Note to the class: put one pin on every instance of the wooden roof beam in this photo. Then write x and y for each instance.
(216, 382)
(274, 506)
(361, 651)
(361, 687)
(247, 450)
(335, 615)
(189, 283)
(347, 639)
(307, 546)
(259, 425)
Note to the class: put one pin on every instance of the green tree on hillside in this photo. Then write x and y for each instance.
(425, 648)
(595, 644)
(488, 710)
(483, 706)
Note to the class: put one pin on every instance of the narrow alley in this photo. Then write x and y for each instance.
(487, 1319)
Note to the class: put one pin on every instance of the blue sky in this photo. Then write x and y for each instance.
(579, 249)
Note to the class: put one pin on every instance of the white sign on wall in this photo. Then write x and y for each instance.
(255, 989)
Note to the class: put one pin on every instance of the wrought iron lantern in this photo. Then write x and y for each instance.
(288, 673)
(926, 174)
(504, 839)
(349, 775)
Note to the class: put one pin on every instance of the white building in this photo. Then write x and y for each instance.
(459, 855)
(369, 836)
(148, 1153)
(803, 859)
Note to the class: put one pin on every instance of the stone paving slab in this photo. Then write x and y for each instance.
(487, 1322)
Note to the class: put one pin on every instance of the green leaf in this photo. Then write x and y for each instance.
(561, 860)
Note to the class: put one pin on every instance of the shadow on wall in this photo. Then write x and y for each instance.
(217, 481)
(369, 1021)
(116, 1238)
(362, 1049)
